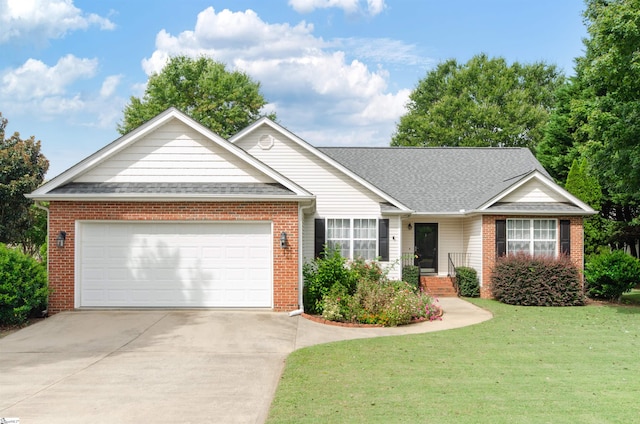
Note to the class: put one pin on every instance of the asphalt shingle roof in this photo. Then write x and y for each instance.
(174, 188)
(438, 180)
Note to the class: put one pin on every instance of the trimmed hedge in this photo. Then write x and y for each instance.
(467, 280)
(536, 281)
(23, 286)
(611, 274)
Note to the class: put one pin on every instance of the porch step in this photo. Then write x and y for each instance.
(438, 286)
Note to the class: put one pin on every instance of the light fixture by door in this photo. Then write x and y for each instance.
(62, 236)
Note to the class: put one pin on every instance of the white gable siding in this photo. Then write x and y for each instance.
(336, 194)
(174, 153)
(533, 191)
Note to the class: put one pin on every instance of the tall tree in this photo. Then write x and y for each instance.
(611, 71)
(22, 170)
(598, 118)
(222, 101)
(582, 183)
(484, 102)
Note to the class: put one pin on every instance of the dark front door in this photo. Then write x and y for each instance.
(426, 236)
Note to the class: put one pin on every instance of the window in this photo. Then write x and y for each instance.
(534, 236)
(352, 237)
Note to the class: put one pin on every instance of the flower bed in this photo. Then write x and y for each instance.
(359, 292)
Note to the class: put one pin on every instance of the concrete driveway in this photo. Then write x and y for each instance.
(169, 366)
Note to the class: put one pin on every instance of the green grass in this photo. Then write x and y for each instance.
(632, 298)
(527, 365)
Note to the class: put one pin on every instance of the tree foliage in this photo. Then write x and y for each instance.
(597, 117)
(611, 71)
(22, 170)
(484, 102)
(204, 89)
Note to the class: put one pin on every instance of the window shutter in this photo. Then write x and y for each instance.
(501, 237)
(319, 240)
(565, 237)
(383, 239)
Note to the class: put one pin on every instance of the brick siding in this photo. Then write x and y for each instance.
(64, 214)
(489, 245)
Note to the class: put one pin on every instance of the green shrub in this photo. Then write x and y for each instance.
(411, 275)
(467, 280)
(536, 281)
(360, 292)
(23, 286)
(609, 275)
(320, 275)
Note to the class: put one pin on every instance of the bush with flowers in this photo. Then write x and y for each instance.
(364, 294)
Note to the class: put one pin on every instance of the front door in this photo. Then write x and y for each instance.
(426, 237)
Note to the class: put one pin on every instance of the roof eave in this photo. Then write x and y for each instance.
(157, 197)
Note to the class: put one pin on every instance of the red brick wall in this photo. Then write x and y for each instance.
(63, 215)
(489, 246)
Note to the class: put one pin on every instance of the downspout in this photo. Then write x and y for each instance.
(301, 213)
(46, 209)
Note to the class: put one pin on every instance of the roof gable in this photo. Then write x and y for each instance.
(249, 138)
(535, 192)
(171, 148)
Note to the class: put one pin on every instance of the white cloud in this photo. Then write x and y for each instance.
(39, 20)
(34, 79)
(52, 92)
(109, 85)
(311, 82)
(370, 7)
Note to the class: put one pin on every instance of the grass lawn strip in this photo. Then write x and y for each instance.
(527, 365)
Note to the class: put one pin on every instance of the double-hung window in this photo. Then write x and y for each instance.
(353, 237)
(537, 237)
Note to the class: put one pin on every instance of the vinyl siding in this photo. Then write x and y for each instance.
(337, 195)
(533, 191)
(174, 153)
(473, 243)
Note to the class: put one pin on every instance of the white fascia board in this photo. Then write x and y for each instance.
(516, 212)
(320, 155)
(130, 138)
(547, 182)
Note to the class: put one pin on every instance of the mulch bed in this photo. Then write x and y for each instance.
(319, 319)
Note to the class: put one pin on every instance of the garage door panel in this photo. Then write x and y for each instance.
(175, 264)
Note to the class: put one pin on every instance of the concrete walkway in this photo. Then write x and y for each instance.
(187, 366)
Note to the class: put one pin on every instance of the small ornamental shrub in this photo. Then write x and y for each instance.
(23, 286)
(320, 275)
(609, 275)
(521, 279)
(411, 275)
(467, 280)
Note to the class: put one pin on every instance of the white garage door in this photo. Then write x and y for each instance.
(174, 264)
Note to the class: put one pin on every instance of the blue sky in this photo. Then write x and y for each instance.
(336, 72)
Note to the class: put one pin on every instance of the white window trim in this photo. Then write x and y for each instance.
(351, 234)
(531, 239)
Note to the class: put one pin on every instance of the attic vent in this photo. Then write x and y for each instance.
(266, 141)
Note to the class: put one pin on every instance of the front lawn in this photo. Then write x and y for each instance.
(527, 365)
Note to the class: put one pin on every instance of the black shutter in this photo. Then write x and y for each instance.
(319, 240)
(501, 237)
(383, 239)
(565, 237)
